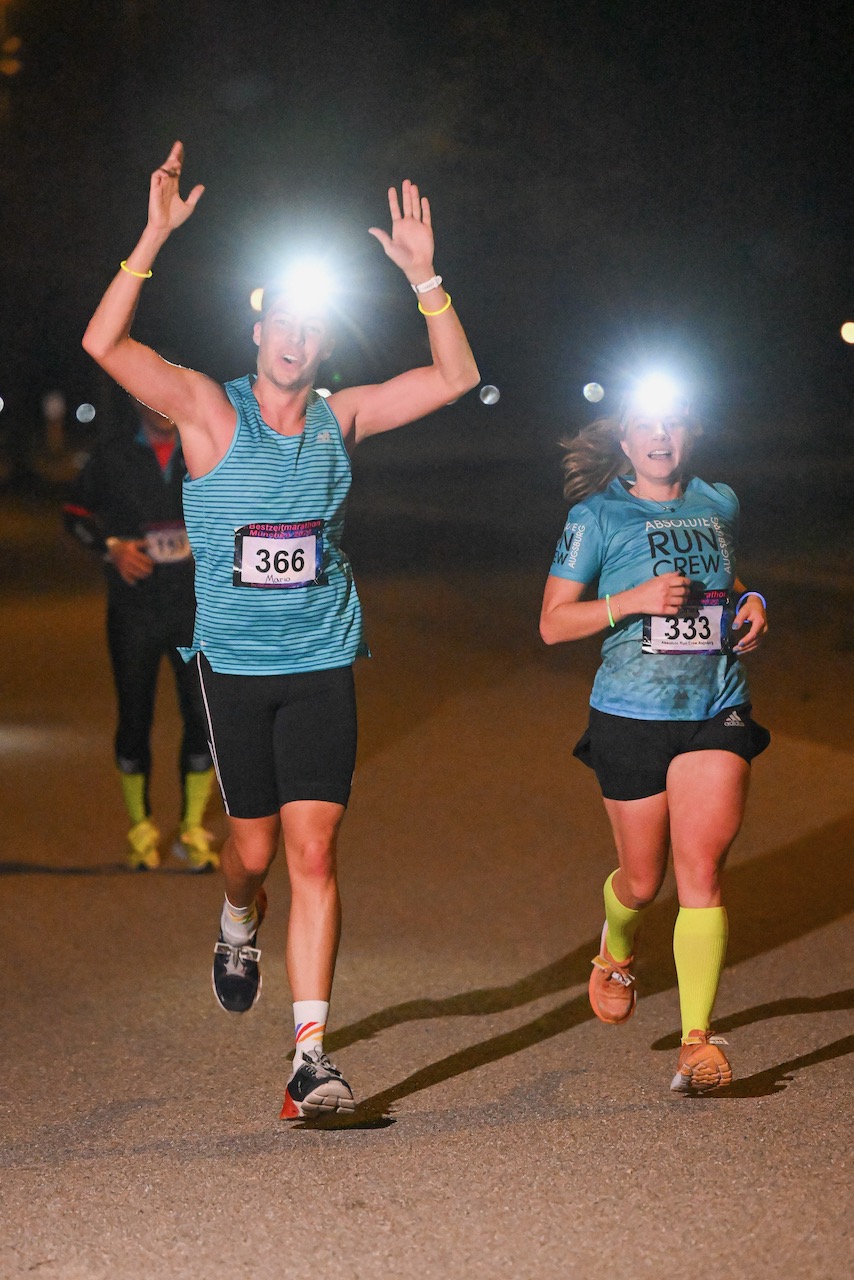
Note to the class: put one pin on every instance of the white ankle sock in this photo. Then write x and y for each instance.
(309, 1025)
(238, 924)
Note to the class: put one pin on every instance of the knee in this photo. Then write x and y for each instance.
(254, 856)
(639, 888)
(312, 861)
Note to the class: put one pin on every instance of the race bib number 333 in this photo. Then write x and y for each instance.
(701, 627)
(286, 554)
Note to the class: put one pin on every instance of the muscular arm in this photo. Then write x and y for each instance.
(197, 405)
(367, 410)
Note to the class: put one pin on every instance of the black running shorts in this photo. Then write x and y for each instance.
(631, 757)
(275, 739)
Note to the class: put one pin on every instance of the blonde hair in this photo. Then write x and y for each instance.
(594, 457)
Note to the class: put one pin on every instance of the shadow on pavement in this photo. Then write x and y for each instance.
(776, 1079)
(773, 899)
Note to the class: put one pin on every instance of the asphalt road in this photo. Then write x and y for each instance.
(503, 1132)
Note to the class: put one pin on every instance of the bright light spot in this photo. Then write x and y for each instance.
(308, 285)
(2, 404)
(847, 331)
(323, 391)
(593, 392)
(256, 299)
(85, 412)
(489, 394)
(657, 394)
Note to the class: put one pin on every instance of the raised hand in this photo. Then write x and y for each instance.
(166, 209)
(410, 245)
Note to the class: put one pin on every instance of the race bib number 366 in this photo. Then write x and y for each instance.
(278, 554)
(701, 627)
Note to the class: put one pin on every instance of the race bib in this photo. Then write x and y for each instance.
(701, 627)
(278, 555)
(167, 543)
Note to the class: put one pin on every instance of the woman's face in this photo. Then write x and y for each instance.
(657, 447)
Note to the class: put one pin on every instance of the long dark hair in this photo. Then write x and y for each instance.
(594, 457)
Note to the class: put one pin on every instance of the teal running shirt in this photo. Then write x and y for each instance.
(274, 591)
(621, 541)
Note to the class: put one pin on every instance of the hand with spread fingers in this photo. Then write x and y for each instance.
(166, 209)
(410, 245)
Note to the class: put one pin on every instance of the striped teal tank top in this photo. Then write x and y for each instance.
(274, 590)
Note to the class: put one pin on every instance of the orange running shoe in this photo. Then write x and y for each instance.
(702, 1065)
(611, 987)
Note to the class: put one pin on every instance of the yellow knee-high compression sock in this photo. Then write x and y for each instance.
(134, 787)
(699, 949)
(622, 923)
(197, 792)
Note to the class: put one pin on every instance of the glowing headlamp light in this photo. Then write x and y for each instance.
(308, 285)
(656, 396)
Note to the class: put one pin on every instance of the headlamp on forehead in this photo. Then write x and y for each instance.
(307, 284)
(656, 396)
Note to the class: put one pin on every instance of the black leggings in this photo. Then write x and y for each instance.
(138, 638)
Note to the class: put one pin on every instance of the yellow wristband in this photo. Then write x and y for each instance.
(435, 313)
(608, 607)
(140, 275)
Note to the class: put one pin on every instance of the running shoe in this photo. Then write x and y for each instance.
(236, 975)
(316, 1088)
(193, 846)
(611, 987)
(143, 839)
(702, 1065)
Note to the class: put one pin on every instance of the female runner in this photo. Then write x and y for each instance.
(670, 736)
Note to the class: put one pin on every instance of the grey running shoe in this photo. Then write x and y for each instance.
(316, 1088)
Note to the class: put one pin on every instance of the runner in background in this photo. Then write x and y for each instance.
(126, 506)
(670, 735)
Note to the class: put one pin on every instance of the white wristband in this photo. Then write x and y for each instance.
(427, 285)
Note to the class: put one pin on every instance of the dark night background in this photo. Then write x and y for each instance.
(611, 182)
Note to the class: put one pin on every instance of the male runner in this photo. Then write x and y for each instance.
(278, 622)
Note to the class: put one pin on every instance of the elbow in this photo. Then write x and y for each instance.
(464, 381)
(547, 631)
(93, 347)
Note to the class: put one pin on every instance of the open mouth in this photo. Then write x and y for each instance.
(660, 453)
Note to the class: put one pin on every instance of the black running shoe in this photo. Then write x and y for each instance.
(316, 1088)
(236, 976)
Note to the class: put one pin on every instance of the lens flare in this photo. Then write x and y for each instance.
(655, 395)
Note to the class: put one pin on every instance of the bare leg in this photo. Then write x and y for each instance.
(707, 792)
(246, 856)
(310, 829)
(642, 835)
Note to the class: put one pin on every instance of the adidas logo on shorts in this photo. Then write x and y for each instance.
(733, 721)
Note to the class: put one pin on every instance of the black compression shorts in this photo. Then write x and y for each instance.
(275, 739)
(631, 757)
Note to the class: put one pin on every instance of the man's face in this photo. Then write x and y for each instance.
(292, 342)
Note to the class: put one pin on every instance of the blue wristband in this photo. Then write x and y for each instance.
(752, 593)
